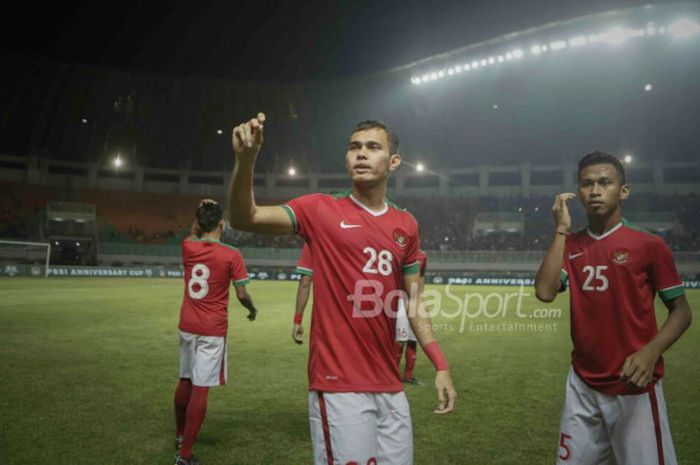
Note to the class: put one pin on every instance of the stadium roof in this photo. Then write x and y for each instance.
(290, 40)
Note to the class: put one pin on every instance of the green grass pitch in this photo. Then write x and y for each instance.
(88, 369)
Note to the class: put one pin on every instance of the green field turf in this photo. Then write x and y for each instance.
(88, 369)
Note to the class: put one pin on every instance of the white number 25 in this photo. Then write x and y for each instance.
(595, 272)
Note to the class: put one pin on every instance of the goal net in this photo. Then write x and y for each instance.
(19, 258)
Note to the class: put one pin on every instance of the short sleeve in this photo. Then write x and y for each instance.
(302, 210)
(411, 264)
(666, 280)
(239, 274)
(305, 266)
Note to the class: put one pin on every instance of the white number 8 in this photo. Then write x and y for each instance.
(200, 274)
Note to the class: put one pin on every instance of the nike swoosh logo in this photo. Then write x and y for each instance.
(576, 255)
(349, 226)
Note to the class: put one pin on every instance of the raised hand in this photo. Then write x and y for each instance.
(247, 138)
(560, 209)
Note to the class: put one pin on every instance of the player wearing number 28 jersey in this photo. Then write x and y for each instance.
(355, 252)
(210, 267)
(364, 254)
(614, 409)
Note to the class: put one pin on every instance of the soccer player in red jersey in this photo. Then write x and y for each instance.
(305, 269)
(209, 266)
(364, 251)
(405, 336)
(614, 411)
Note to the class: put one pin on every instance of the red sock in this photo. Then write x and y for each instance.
(196, 409)
(410, 359)
(182, 398)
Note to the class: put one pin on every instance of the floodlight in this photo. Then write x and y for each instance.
(683, 28)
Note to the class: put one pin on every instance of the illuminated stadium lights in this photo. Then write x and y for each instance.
(84, 120)
(118, 162)
(684, 28)
(219, 131)
(628, 159)
(292, 171)
(648, 87)
(681, 28)
(495, 106)
(578, 41)
(420, 167)
(558, 45)
(617, 35)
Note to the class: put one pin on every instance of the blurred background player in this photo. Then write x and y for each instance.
(359, 242)
(304, 268)
(404, 334)
(614, 410)
(210, 267)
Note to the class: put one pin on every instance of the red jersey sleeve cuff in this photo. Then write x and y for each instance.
(671, 293)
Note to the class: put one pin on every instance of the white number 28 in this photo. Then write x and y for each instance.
(382, 259)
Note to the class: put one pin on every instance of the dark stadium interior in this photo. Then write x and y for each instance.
(71, 106)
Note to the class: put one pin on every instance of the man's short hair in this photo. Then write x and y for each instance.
(600, 158)
(208, 216)
(376, 124)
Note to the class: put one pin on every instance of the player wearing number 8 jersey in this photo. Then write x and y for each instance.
(364, 251)
(210, 267)
(614, 410)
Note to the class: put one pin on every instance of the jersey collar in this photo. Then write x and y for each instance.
(604, 235)
(367, 209)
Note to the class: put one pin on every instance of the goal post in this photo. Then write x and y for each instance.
(25, 253)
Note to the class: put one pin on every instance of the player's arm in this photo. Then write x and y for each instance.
(303, 291)
(245, 300)
(548, 279)
(423, 329)
(638, 368)
(244, 214)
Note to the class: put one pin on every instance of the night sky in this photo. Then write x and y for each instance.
(271, 40)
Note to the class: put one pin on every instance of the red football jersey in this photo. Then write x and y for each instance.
(304, 265)
(210, 267)
(358, 257)
(613, 279)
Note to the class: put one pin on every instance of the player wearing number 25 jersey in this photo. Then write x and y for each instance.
(614, 409)
(210, 267)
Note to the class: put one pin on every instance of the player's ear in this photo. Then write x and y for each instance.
(394, 162)
(222, 225)
(624, 192)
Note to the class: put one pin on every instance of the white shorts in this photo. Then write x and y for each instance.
(403, 327)
(600, 429)
(362, 428)
(203, 359)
